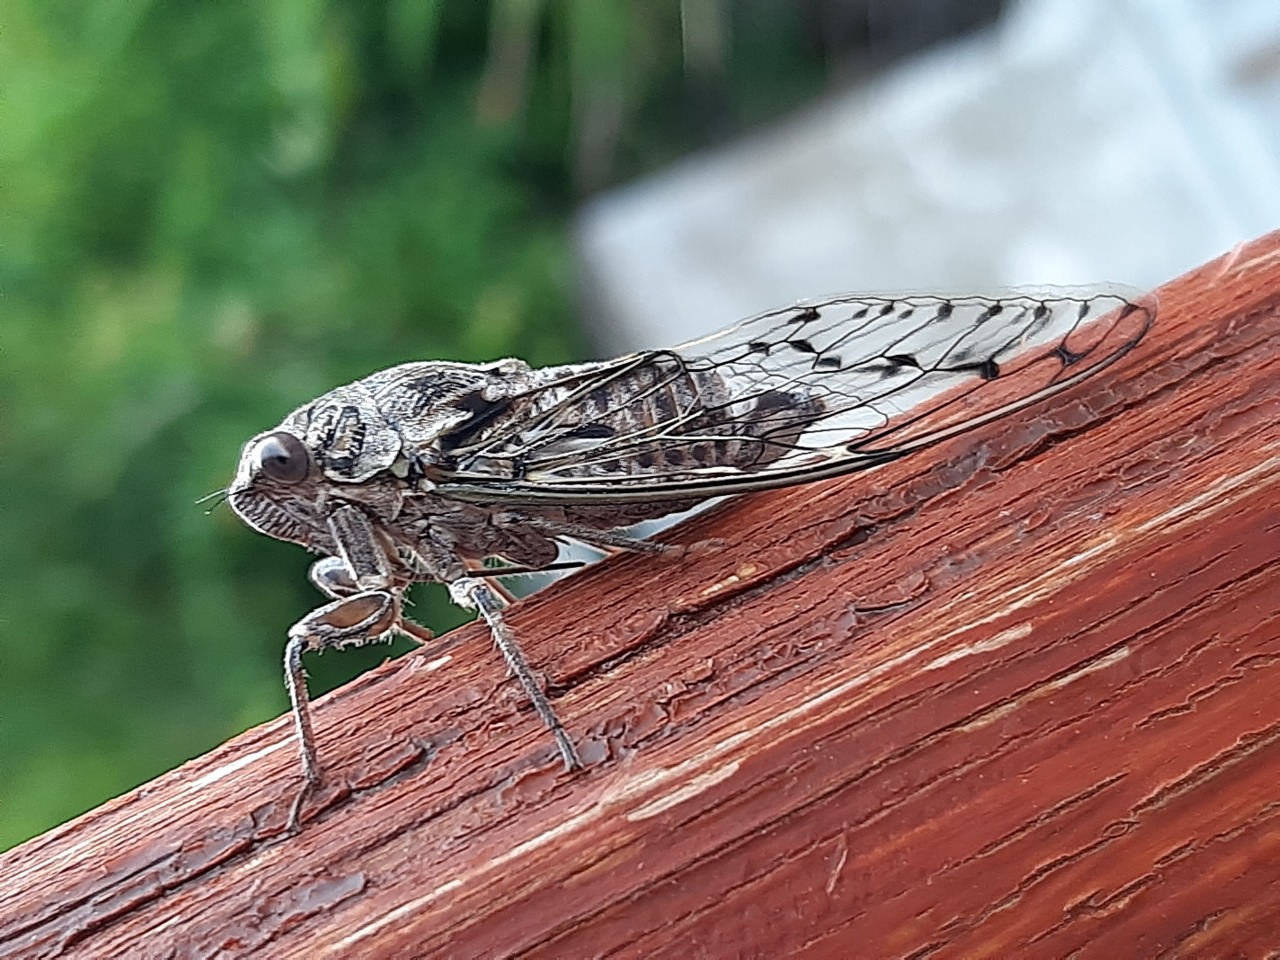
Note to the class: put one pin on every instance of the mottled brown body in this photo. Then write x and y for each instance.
(380, 443)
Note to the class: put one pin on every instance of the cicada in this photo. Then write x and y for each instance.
(429, 471)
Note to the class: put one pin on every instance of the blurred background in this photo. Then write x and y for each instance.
(212, 213)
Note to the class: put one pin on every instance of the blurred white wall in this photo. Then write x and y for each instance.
(1077, 141)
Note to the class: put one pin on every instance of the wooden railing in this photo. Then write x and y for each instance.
(1013, 697)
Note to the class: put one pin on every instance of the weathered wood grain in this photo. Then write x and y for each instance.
(1013, 697)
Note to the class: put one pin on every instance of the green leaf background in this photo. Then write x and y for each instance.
(211, 213)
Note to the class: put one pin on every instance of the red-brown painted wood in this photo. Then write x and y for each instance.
(1013, 697)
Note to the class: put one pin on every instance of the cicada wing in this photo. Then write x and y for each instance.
(796, 394)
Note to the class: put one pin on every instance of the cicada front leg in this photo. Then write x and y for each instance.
(367, 608)
(364, 618)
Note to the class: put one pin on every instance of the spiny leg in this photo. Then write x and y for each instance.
(349, 621)
(497, 586)
(367, 606)
(473, 594)
(332, 578)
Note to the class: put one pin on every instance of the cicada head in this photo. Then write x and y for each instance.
(337, 448)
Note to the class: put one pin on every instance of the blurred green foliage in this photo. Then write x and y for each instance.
(211, 213)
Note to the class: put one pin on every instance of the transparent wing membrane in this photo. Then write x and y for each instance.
(792, 395)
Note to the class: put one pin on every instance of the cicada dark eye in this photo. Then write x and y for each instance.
(281, 456)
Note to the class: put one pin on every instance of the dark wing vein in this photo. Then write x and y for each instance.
(793, 395)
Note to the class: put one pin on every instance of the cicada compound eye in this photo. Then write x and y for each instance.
(281, 456)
